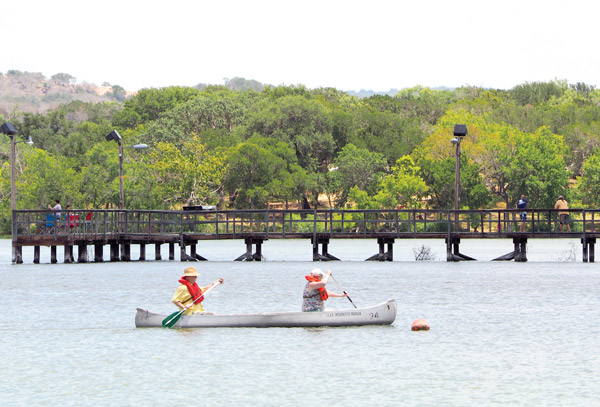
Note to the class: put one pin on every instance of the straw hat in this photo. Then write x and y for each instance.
(190, 272)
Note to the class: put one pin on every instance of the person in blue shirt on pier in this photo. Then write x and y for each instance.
(522, 204)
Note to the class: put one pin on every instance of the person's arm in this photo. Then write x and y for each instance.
(219, 281)
(332, 294)
(179, 305)
(177, 298)
(315, 285)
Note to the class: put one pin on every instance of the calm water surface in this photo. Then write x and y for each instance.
(502, 333)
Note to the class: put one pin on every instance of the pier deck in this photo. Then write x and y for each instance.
(121, 228)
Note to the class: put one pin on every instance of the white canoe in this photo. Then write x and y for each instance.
(381, 314)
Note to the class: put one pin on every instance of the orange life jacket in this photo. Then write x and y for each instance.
(322, 290)
(194, 291)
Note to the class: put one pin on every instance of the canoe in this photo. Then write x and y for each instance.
(381, 314)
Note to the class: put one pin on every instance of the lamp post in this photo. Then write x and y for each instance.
(460, 131)
(10, 131)
(114, 135)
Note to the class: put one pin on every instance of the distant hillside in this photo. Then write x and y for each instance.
(34, 93)
(367, 93)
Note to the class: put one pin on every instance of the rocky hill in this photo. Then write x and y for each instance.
(34, 93)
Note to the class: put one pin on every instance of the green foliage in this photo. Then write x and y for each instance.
(588, 189)
(403, 188)
(537, 169)
(189, 174)
(301, 122)
(355, 167)
(536, 92)
(150, 104)
(262, 170)
(278, 144)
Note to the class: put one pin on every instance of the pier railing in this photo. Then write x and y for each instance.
(222, 224)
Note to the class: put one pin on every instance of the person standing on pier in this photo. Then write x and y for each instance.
(522, 204)
(189, 291)
(57, 208)
(315, 294)
(563, 213)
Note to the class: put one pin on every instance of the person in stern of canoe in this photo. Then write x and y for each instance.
(315, 294)
(189, 291)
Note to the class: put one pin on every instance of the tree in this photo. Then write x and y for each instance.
(356, 167)
(588, 189)
(64, 78)
(537, 169)
(262, 170)
(210, 113)
(150, 104)
(301, 122)
(189, 174)
(537, 92)
(402, 188)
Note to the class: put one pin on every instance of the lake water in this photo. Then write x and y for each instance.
(502, 333)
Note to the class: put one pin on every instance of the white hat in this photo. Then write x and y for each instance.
(317, 272)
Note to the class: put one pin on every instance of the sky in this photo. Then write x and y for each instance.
(348, 45)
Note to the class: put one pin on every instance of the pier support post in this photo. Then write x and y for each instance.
(193, 256)
(99, 252)
(588, 244)
(69, 254)
(171, 251)
(53, 255)
(142, 252)
(125, 252)
(114, 251)
(157, 255)
(325, 255)
(453, 250)
(248, 256)
(520, 248)
(18, 254)
(36, 255)
(383, 255)
(82, 253)
(182, 253)
(257, 256)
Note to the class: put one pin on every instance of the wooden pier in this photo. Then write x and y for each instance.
(119, 229)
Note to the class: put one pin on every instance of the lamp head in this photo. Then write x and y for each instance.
(460, 130)
(455, 140)
(114, 135)
(8, 129)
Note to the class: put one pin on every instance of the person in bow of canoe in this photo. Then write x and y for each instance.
(189, 291)
(315, 294)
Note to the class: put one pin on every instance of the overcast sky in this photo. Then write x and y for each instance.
(348, 45)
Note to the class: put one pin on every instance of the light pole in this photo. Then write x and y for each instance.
(460, 131)
(10, 131)
(114, 135)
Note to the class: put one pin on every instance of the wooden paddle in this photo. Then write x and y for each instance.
(344, 291)
(172, 319)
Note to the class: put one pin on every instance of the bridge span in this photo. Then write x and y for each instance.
(119, 229)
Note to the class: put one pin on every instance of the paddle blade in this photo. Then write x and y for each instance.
(172, 319)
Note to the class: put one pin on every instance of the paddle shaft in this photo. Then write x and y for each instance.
(172, 319)
(344, 291)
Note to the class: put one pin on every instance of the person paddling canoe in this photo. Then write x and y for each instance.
(315, 294)
(189, 291)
